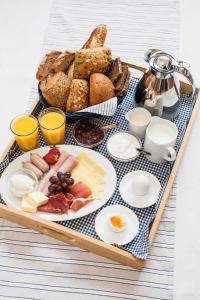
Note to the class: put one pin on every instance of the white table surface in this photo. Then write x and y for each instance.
(19, 57)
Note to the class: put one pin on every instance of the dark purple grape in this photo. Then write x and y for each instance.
(67, 175)
(60, 174)
(51, 189)
(59, 189)
(69, 181)
(62, 178)
(54, 179)
(65, 187)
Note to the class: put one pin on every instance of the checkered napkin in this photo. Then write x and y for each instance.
(107, 108)
(139, 246)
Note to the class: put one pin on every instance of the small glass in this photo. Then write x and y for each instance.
(25, 129)
(52, 124)
(26, 189)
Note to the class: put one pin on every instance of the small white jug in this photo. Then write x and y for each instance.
(160, 139)
(138, 119)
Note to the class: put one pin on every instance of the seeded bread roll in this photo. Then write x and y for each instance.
(89, 61)
(55, 89)
(78, 95)
(101, 88)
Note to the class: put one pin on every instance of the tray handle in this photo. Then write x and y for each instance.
(53, 232)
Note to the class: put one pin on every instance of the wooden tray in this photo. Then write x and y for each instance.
(80, 240)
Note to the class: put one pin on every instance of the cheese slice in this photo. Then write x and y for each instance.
(90, 173)
(82, 171)
(94, 172)
(37, 198)
(26, 206)
(83, 156)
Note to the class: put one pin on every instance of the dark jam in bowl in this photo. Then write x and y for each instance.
(88, 132)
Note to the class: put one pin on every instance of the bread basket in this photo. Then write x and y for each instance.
(75, 116)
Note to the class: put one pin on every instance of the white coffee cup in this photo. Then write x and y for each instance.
(138, 119)
(160, 139)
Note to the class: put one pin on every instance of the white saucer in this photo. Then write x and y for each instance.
(139, 201)
(104, 230)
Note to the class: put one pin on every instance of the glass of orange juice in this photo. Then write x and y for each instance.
(52, 124)
(25, 129)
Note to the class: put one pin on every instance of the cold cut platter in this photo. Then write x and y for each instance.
(88, 169)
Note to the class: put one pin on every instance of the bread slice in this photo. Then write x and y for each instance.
(63, 61)
(101, 88)
(55, 89)
(45, 67)
(97, 37)
(115, 70)
(89, 61)
(122, 84)
(78, 95)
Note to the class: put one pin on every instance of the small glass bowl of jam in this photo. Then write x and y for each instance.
(88, 133)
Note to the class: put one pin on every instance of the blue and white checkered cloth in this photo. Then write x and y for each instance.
(85, 225)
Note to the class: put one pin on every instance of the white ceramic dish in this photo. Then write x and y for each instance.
(107, 235)
(137, 144)
(143, 201)
(109, 186)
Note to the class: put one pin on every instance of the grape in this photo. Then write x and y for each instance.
(65, 187)
(69, 181)
(62, 178)
(59, 189)
(54, 179)
(67, 175)
(53, 188)
(50, 188)
(60, 175)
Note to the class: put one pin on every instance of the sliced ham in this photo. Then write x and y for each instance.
(49, 208)
(63, 157)
(78, 203)
(70, 198)
(45, 181)
(57, 204)
(80, 189)
(68, 165)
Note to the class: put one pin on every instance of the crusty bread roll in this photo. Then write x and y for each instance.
(97, 37)
(101, 88)
(45, 67)
(78, 95)
(55, 89)
(63, 61)
(89, 61)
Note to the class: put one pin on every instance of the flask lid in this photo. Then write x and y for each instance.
(162, 62)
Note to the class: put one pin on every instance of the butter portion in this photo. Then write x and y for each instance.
(37, 198)
(27, 207)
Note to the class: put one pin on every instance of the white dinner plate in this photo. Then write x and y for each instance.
(105, 232)
(125, 189)
(108, 187)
